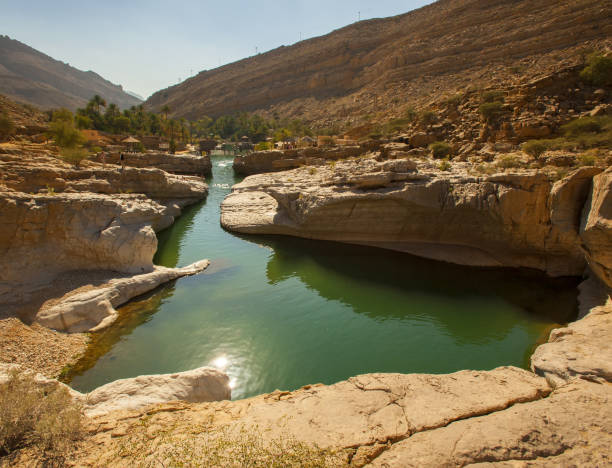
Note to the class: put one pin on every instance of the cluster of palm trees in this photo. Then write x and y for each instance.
(99, 115)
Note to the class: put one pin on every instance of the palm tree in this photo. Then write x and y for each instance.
(98, 102)
(165, 110)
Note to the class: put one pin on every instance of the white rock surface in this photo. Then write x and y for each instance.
(197, 385)
(203, 384)
(94, 309)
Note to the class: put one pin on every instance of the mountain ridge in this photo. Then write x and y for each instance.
(30, 76)
(333, 76)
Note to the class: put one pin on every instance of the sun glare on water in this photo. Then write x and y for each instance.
(221, 362)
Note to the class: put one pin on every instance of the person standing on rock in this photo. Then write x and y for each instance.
(103, 159)
(122, 161)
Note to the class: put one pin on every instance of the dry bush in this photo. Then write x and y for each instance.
(508, 161)
(208, 445)
(33, 415)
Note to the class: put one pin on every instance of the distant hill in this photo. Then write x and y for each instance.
(381, 66)
(30, 76)
(136, 95)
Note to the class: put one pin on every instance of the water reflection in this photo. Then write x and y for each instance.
(134, 314)
(550, 298)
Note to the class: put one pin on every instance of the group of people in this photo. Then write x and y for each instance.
(103, 155)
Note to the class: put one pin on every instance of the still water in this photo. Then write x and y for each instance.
(280, 313)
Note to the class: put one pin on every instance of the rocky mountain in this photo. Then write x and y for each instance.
(30, 76)
(384, 65)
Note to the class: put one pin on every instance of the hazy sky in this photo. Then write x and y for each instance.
(147, 45)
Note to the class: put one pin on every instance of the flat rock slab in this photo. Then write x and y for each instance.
(361, 414)
(572, 427)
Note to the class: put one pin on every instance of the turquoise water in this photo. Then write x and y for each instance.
(278, 312)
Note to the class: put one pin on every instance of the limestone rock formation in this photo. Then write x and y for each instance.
(55, 219)
(203, 384)
(515, 219)
(277, 160)
(94, 309)
(173, 163)
(43, 173)
(582, 349)
(197, 385)
(596, 228)
(572, 427)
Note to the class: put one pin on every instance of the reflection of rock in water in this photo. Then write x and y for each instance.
(219, 265)
(533, 292)
(169, 240)
(132, 315)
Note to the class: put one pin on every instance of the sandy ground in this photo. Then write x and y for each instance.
(38, 348)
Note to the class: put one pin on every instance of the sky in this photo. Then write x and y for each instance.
(148, 45)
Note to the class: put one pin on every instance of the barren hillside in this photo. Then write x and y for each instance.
(387, 64)
(30, 76)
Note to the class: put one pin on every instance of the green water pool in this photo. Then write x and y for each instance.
(280, 313)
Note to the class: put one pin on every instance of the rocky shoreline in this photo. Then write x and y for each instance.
(78, 242)
(506, 415)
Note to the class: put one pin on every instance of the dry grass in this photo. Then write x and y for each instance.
(207, 445)
(45, 418)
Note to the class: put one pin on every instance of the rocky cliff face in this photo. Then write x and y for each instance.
(384, 64)
(56, 219)
(516, 219)
(596, 227)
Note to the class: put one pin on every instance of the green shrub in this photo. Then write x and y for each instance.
(587, 159)
(411, 114)
(534, 148)
(428, 118)
(74, 155)
(445, 165)
(63, 131)
(581, 126)
(48, 419)
(440, 149)
(7, 127)
(508, 161)
(326, 141)
(263, 146)
(453, 101)
(491, 110)
(493, 96)
(598, 70)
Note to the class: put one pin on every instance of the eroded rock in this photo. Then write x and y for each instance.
(94, 309)
(516, 219)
